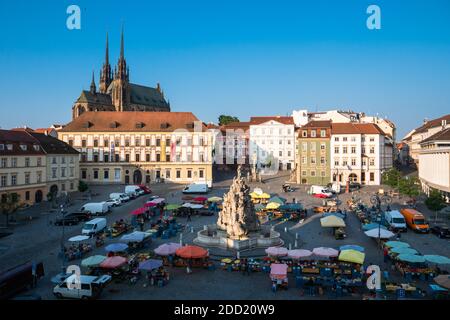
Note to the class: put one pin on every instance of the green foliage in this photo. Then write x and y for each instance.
(392, 178)
(435, 201)
(10, 204)
(224, 119)
(409, 186)
(82, 186)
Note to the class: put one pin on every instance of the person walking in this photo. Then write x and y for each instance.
(386, 254)
(189, 215)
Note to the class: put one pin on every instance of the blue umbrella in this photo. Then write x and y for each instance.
(351, 247)
(396, 244)
(116, 247)
(136, 236)
(437, 259)
(149, 265)
(411, 258)
(404, 250)
(370, 226)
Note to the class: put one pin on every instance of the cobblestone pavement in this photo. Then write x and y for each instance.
(38, 240)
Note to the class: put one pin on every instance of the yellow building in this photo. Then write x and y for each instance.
(134, 147)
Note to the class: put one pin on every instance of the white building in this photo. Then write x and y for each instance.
(434, 163)
(272, 142)
(360, 152)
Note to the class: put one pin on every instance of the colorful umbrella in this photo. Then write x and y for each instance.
(170, 207)
(299, 253)
(167, 249)
(187, 198)
(149, 204)
(259, 207)
(370, 226)
(379, 233)
(264, 196)
(404, 250)
(92, 261)
(353, 256)
(191, 252)
(136, 236)
(149, 265)
(116, 247)
(278, 200)
(113, 262)
(273, 206)
(138, 211)
(291, 207)
(79, 238)
(258, 191)
(412, 258)
(277, 251)
(215, 199)
(443, 280)
(351, 247)
(332, 221)
(278, 270)
(158, 200)
(200, 199)
(437, 259)
(396, 244)
(325, 252)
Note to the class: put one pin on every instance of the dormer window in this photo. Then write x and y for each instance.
(165, 125)
(87, 124)
(140, 125)
(2, 147)
(9, 147)
(114, 124)
(36, 147)
(190, 125)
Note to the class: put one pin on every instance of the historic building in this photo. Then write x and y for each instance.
(141, 147)
(27, 165)
(313, 153)
(117, 93)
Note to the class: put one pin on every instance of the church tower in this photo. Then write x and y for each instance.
(105, 73)
(121, 91)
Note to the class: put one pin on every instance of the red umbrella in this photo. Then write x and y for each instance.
(138, 211)
(191, 252)
(149, 204)
(113, 262)
(200, 199)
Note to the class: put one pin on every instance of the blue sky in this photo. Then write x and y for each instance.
(234, 57)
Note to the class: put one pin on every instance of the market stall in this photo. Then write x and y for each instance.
(278, 275)
(119, 227)
(115, 248)
(78, 247)
(335, 222)
(167, 251)
(276, 251)
(191, 256)
(155, 273)
(137, 239)
(116, 266)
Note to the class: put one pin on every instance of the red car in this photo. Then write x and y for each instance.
(145, 188)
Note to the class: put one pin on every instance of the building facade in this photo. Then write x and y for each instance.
(272, 142)
(360, 152)
(313, 153)
(141, 147)
(434, 163)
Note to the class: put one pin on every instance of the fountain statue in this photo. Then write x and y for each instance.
(238, 217)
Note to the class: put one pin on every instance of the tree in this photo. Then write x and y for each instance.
(82, 186)
(9, 205)
(409, 186)
(224, 119)
(392, 178)
(435, 201)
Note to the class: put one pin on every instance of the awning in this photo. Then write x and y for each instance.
(332, 221)
(278, 270)
(353, 256)
(191, 252)
(113, 262)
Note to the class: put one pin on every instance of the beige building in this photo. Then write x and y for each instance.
(141, 147)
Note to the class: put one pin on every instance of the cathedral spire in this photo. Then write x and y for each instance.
(122, 70)
(93, 87)
(105, 73)
(121, 46)
(107, 50)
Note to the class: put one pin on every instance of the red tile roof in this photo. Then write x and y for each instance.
(318, 124)
(281, 119)
(355, 128)
(133, 121)
(433, 124)
(443, 135)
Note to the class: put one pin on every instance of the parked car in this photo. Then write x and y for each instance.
(90, 287)
(113, 202)
(121, 196)
(323, 195)
(132, 191)
(80, 215)
(96, 208)
(395, 220)
(196, 188)
(18, 278)
(415, 220)
(145, 188)
(66, 220)
(94, 226)
(441, 231)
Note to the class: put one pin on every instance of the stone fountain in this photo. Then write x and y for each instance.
(238, 227)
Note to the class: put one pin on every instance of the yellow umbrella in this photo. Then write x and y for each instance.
(273, 205)
(214, 199)
(264, 196)
(254, 195)
(352, 256)
(332, 221)
(226, 260)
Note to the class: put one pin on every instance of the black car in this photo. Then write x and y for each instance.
(72, 219)
(441, 231)
(80, 215)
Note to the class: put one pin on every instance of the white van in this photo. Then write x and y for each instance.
(96, 208)
(94, 226)
(89, 288)
(121, 196)
(133, 191)
(395, 220)
(320, 190)
(196, 188)
(335, 187)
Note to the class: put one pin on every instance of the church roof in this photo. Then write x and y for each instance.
(146, 95)
(97, 98)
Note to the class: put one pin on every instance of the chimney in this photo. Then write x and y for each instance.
(444, 123)
(425, 121)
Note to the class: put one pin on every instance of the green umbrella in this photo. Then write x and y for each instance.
(404, 250)
(259, 207)
(396, 244)
(411, 258)
(170, 207)
(277, 200)
(93, 261)
(437, 259)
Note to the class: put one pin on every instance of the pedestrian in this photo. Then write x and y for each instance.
(386, 254)
(398, 235)
(189, 215)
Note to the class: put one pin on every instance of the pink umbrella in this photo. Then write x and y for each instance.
(200, 199)
(278, 270)
(299, 253)
(167, 249)
(157, 200)
(138, 211)
(277, 251)
(149, 204)
(325, 252)
(113, 262)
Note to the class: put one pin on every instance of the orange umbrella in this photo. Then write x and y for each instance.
(191, 252)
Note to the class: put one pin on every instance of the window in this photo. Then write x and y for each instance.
(13, 179)
(70, 142)
(322, 160)
(63, 187)
(23, 147)
(127, 142)
(2, 147)
(371, 162)
(323, 133)
(304, 160)
(158, 157)
(39, 177)
(4, 162)
(137, 142)
(105, 142)
(289, 153)
(167, 173)
(158, 142)
(344, 138)
(288, 131)
(71, 172)
(54, 160)
(363, 150)
(147, 142)
(117, 142)
(322, 173)
(313, 133)
(280, 153)
(27, 195)
(313, 146)
(372, 139)
(322, 146)
(313, 173)
(63, 172)
(336, 139)
(289, 141)
(137, 157)
(304, 173)
(39, 162)
(95, 174)
(54, 173)
(353, 139)
(313, 160)
(13, 162)
(83, 174)
(27, 162)
(168, 141)
(71, 160)
(178, 174)
(117, 157)
(364, 162)
(201, 173)
(280, 142)
(344, 162)
(344, 149)
(336, 149)
(3, 181)
(95, 143)
(372, 150)
(304, 146)
(106, 174)
(336, 162)
(304, 133)
(178, 141)
(353, 162)
(83, 143)
(127, 157)
(71, 186)
(189, 173)
(372, 176)
(353, 149)
(105, 157)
